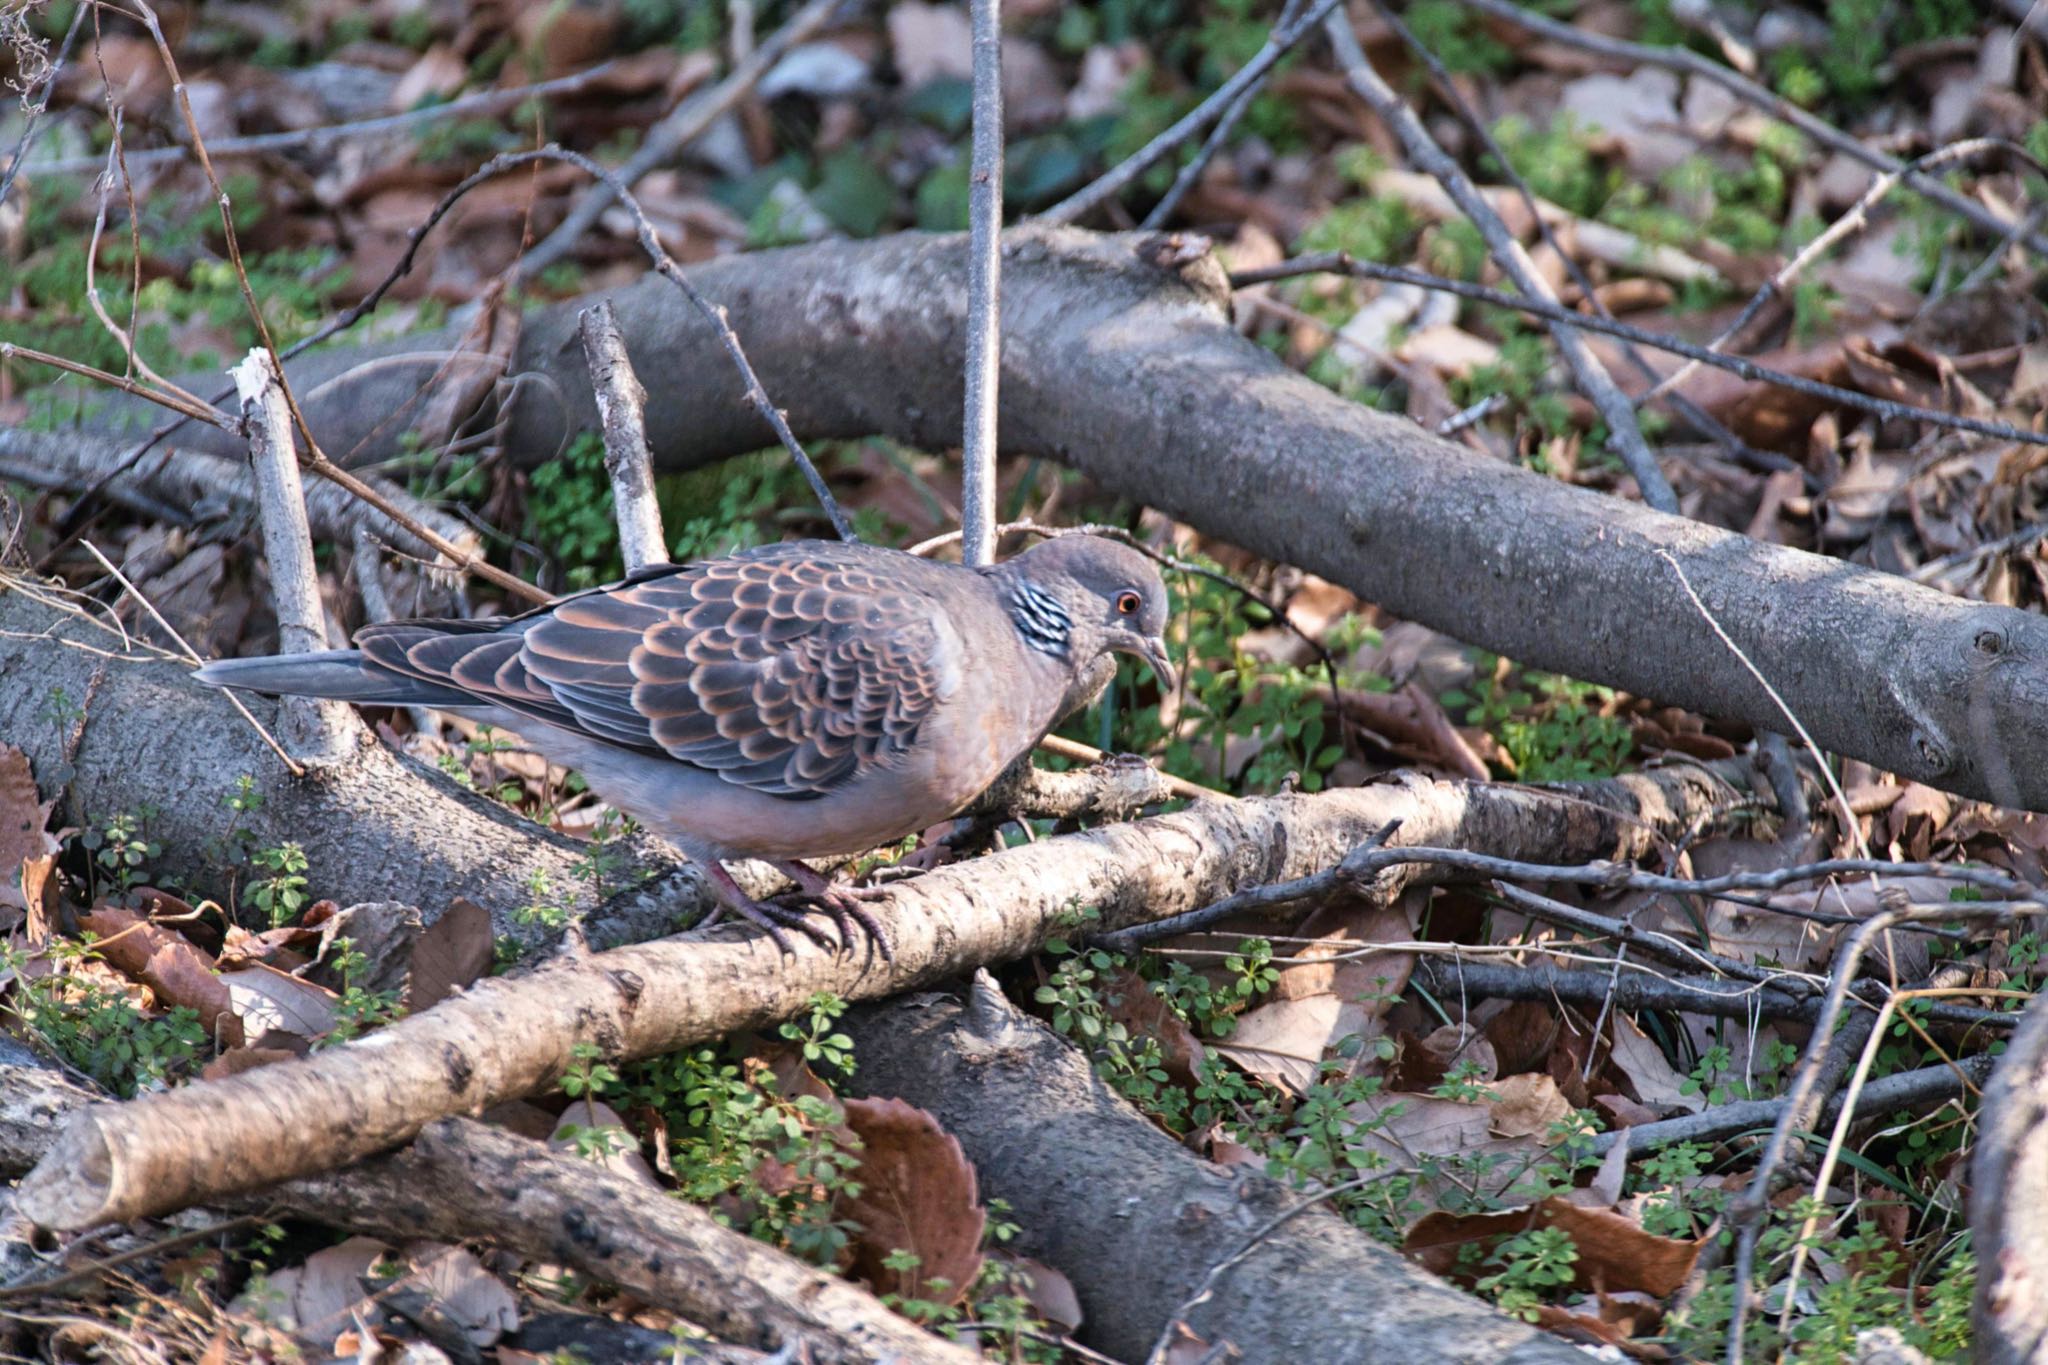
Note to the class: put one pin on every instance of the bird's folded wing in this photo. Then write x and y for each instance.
(787, 671)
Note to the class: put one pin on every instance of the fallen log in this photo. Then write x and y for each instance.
(1119, 360)
(1138, 1221)
(462, 1180)
(511, 1036)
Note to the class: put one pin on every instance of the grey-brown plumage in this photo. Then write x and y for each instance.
(797, 700)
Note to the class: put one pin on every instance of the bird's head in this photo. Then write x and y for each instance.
(1079, 598)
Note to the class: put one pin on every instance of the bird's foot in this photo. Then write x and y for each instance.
(845, 905)
(772, 918)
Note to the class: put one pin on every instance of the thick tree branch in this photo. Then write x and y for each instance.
(511, 1036)
(1119, 360)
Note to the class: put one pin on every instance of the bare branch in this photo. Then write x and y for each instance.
(1882, 408)
(1624, 437)
(1113, 182)
(1748, 91)
(622, 408)
(327, 136)
(684, 125)
(1191, 173)
(314, 730)
(984, 290)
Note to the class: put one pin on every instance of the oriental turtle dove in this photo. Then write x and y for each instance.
(793, 701)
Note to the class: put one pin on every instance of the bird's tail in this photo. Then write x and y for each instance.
(342, 674)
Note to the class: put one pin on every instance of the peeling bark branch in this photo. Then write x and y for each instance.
(314, 730)
(1119, 360)
(462, 1180)
(512, 1036)
(622, 410)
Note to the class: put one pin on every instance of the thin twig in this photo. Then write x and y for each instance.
(1747, 1208)
(683, 125)
(192, 655)
(313, 457)
(1449, 87)
(1680, 59)
(40, 105)
(1624, 435)
(1341, 263)
(175, 402)
(1191, 173)
(1640, 991)
(665, 265)
(1850, 825)
(1857, 217)
(1802, 1244)
(1113, 182)
(326, 136)
(1363, 865)
(984, 290)
(1907, 1090)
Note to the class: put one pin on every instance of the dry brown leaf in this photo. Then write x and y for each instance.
(318, 1300)
(1423, 1063)
(1916, 818)
(918, 1194)
(1318, 1004)
(269, 1000)
(1528, 1105)
(621, 1156)
(1652, 1078)
(1411, 1126)
(24, 821)
(477, 1301)
(178, 973)
(1625, 1112)
(1415, 727)
(1051, 1293)
(1615, 1253)
(454, 951)
(1146, 1014)
(1594, 1331)
(33, 889)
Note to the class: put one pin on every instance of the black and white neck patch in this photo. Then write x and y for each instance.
(1040, 619)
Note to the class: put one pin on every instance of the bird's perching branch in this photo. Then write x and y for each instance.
(984, 290)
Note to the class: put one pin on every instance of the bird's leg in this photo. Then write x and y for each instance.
(772, 918)
(842, 903)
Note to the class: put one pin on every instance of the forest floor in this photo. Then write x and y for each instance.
(1325, 1048)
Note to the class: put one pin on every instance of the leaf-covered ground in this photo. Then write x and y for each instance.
(1467, 1130)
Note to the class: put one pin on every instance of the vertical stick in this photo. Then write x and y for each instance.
(377, 607)
(984, 290)
(622, 411)
(312, 729)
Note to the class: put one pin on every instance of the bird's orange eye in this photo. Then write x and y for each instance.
(1127, 603)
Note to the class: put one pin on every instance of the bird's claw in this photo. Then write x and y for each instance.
(775, 917)
(845, 906)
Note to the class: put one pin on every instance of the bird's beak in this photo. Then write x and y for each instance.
(1152, 650)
